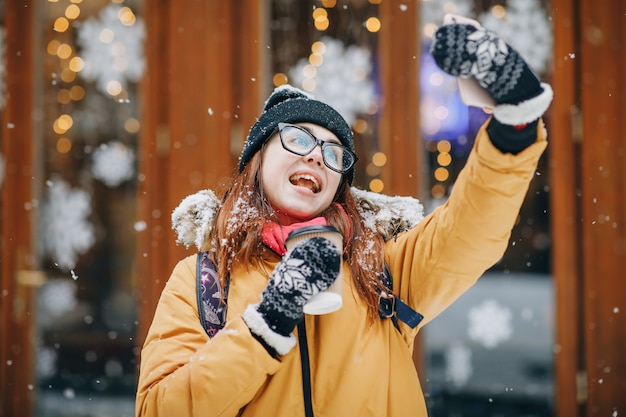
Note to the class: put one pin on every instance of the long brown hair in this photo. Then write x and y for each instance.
(236, 235)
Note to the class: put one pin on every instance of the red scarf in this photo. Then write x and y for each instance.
(274, 235)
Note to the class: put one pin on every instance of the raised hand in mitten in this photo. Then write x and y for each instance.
(465, 50)
(306, 270)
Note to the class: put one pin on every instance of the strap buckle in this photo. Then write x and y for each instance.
(386, 305)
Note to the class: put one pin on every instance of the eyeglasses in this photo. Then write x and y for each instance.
(299, 141)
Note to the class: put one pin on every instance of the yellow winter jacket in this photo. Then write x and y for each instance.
(358, 368)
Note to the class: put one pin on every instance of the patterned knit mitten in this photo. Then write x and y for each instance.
(307, 269)
(466, 51)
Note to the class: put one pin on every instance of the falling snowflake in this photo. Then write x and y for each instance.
(530, 18)
(343, 80)
(66, 231)
(458, 364)
(112, 47)
(113, 163)
(490, 324)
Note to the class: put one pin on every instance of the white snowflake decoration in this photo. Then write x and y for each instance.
(111, 50)
(530, 18)
(458, 364)
(433, 11)
(113, 163)
(57, 297)
(46, 362)
(343, 80)
(66, 230)
(490, 324)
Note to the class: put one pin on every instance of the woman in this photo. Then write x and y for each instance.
(296, 169)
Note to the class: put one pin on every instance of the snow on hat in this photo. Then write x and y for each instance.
(288, 104)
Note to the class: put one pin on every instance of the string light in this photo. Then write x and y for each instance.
(429, 30)
(316, 59)
(126, 16)
(114, 87)
(62, 124)
(441, 174)
(498, 11)
(77, 93)
(438, 191)
(373, 24)
(76, 64)
(309, 71)
(309, 84)
(318, 47)
(72, 11)
(377, 185)
(279, 79)
(106, 36)
(61, 24)
(132, 125)
(63, 145)
(64, 51)
(379, 159)
(359, 126)
(320, 19)
(444, 146)
(444, 159)
(64, 96)
(372, 170)
(53, 47)
(67, 75)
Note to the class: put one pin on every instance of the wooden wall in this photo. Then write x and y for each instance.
(205, 85)
(588, 210)
(202, 90)
(17, 251)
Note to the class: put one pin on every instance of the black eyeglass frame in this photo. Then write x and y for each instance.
(318, 142)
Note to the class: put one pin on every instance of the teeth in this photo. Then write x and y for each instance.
(309, 179)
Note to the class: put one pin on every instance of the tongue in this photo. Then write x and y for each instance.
(302, 182)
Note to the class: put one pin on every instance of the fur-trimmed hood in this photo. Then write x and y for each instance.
(194, 217)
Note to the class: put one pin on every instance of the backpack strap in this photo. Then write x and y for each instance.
(212, 310)
(211, 302)
(390, 306)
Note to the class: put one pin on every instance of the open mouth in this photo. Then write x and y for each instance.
(305, 181)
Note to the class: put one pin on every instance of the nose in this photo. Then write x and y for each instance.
(316, 155)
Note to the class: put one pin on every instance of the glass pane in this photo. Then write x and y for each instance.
(327, 48)
(91, 62)
(490, 353)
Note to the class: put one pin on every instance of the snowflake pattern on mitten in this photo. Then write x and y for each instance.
(304, 271)
(466, 51)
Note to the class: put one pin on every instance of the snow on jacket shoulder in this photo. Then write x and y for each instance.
(357, 368)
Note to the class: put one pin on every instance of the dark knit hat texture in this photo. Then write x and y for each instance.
(288, 104)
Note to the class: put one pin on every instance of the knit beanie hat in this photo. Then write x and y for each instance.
(288, 104)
